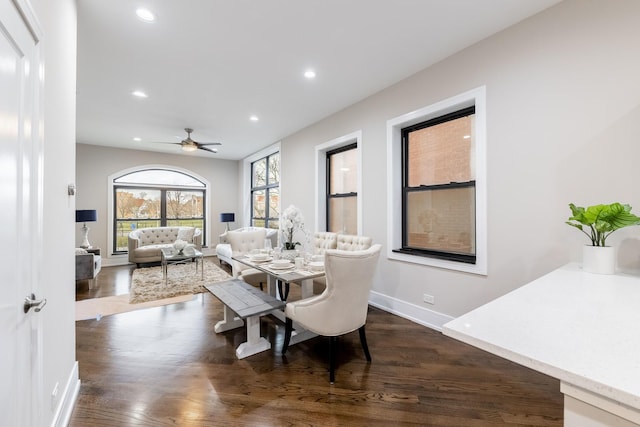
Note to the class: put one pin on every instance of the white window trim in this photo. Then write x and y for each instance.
(321, 176)
(475, 97)
(110, 178)
(246, 179)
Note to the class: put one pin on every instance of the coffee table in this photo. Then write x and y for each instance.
(173, 256)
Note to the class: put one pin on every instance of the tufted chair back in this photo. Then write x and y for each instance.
(351, 242)
(242, 242)
(323, 240)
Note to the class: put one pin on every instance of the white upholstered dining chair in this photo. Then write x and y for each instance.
(342, 307)
(242, 243)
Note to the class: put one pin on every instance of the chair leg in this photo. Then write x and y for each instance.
(261, 287)
(363, 341)
(288, 329)
(285, 295)
(332, 359)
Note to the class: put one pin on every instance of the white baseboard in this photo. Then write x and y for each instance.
(417, 314)
(62, 416)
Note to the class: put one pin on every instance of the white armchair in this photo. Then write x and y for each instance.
(242, 242)
(344, 242)
(224, 251)
(342, 307)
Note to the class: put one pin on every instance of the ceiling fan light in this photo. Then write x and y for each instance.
(189, 148)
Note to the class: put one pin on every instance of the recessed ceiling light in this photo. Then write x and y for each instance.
(139, 94)
(145, 15)
(137, 139)
(310, 74)
(254, 118)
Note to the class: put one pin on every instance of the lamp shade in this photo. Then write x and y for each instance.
(227, 217)
(87, 215)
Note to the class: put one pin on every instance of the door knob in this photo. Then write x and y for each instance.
(31, 301)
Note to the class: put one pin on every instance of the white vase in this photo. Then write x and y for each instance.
(289, 254)
(599, 259)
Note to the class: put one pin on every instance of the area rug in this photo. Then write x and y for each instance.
(147, 284)
(96, 308)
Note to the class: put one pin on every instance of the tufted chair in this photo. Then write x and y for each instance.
(323, 240)
(223, 249)
(344, 242)
(242, 242)
(342, 307)
(351, 242)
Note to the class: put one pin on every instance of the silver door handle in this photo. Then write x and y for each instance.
(31, 301)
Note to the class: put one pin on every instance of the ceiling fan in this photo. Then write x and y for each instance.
(189, 144)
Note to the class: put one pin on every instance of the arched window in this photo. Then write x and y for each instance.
(155, 197)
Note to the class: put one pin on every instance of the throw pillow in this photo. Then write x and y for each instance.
(186, 234)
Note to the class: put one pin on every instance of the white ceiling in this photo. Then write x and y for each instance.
(210, 64)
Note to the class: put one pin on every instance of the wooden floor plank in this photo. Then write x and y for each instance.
(166, 366)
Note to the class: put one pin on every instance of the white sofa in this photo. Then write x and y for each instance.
(224, 251)
(145, 243)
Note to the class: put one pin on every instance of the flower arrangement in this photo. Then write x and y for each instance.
(290, 222)
(179, 245)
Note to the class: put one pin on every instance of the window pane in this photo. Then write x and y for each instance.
(259, 178)
(274, 169)
(344, 172)
(274, 203)
(442, 220)
(441, 154)
(343, 215)
(184, 204)
(259, 204)
(160, 177)
(137, 203)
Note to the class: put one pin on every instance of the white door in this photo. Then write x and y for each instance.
(20, 215)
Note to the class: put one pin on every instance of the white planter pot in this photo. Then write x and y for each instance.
(599, 259)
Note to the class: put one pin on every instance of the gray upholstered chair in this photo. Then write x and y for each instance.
(342, 307)
(88, 265)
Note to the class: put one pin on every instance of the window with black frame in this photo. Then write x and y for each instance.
(156, 198)
(438, 187)
(342, 190)
(265, 192)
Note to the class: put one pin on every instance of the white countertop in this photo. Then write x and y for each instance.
(581, 328)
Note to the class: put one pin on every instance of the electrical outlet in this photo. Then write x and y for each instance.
(429, 299)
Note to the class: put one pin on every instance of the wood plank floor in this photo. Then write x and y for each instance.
(166, 366)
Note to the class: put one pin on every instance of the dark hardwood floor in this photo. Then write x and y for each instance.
(166, 366)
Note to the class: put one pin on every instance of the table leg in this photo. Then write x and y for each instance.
(230, 321)
(255, 343)
(307, 288)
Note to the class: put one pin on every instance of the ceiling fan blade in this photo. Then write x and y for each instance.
(208, 149)
(163, 142)
(209, 143)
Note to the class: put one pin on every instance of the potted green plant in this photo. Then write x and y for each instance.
(597, 223)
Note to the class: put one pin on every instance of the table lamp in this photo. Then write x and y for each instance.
(227, 218)
(87, 215)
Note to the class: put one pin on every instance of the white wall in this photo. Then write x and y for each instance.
(96, 163)
(563, 107)
(58, 20)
